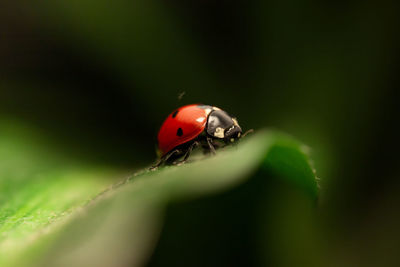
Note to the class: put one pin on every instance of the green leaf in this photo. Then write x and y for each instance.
(48, 220)
(38, 186)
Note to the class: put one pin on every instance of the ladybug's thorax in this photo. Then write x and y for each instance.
(221, 125)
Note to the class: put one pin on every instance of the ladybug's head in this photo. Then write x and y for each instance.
(233, 133)
(221, 125)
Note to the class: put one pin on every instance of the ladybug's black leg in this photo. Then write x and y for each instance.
(210, 145)
(164, 159)
(187, 154)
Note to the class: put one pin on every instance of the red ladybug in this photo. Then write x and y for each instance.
(193, 125)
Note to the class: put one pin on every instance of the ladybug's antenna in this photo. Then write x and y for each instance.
(181, 95)
(247, 132)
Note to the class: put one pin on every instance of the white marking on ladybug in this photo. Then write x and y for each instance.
(219, 132)
(208, 110)
(230, 129)
(215, 108)
(200, 119)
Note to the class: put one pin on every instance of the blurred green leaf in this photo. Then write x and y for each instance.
(122, 225)
(38, 186)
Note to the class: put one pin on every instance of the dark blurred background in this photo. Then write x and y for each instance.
(98, 77)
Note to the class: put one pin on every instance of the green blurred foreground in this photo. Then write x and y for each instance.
(218, 211)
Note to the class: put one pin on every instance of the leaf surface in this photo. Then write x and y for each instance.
(48, 218)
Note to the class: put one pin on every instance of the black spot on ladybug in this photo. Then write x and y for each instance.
(174, 114)
(179, 132)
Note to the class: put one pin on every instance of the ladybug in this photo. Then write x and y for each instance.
(195, 125)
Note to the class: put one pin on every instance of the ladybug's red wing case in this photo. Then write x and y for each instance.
(181, 126)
